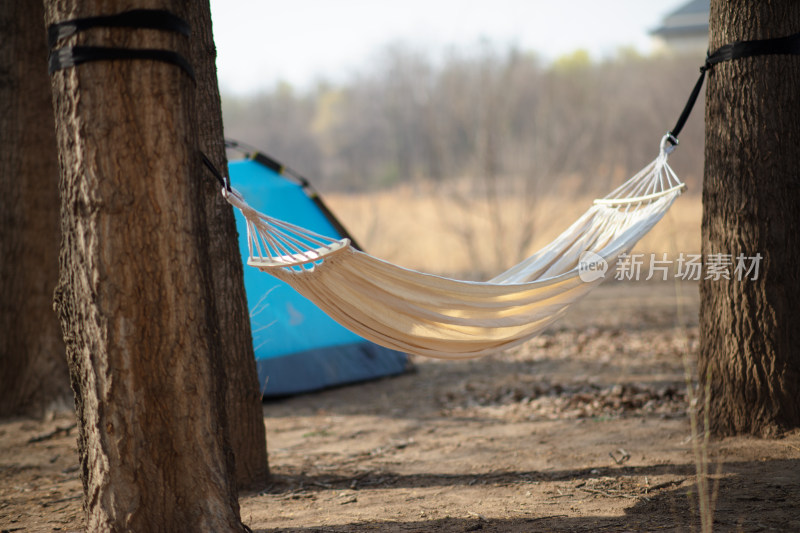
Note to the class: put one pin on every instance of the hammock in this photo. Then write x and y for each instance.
(433, 316)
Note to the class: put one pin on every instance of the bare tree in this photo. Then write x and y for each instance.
(751, 200)
(243, 403)
(135, 288)
(33, 365)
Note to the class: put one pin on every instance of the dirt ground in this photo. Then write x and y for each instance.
(585, 428)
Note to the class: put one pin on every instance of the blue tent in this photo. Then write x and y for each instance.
(298, 348)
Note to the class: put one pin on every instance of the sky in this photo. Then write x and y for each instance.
(262, 42)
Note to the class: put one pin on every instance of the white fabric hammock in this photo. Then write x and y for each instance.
(435, 316)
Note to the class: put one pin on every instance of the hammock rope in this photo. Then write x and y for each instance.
(434, 316)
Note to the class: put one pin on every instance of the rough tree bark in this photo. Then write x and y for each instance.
(751, 199)
(135, 292)
(243, 404)
(33, 366)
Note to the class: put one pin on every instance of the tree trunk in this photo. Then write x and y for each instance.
(243, 404)
(751, 200)
(135, 293)
(33, 366)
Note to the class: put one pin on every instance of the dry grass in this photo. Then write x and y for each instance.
(426, 230)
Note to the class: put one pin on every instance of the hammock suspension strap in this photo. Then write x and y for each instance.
(788, 45)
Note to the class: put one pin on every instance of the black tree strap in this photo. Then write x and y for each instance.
(789, 45)
(69, 56)
(153, 19)
(157, 19)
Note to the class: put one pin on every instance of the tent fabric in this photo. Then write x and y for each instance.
(439, 317)
(298, 347)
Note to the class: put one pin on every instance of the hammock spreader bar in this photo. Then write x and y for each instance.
(283, 170)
